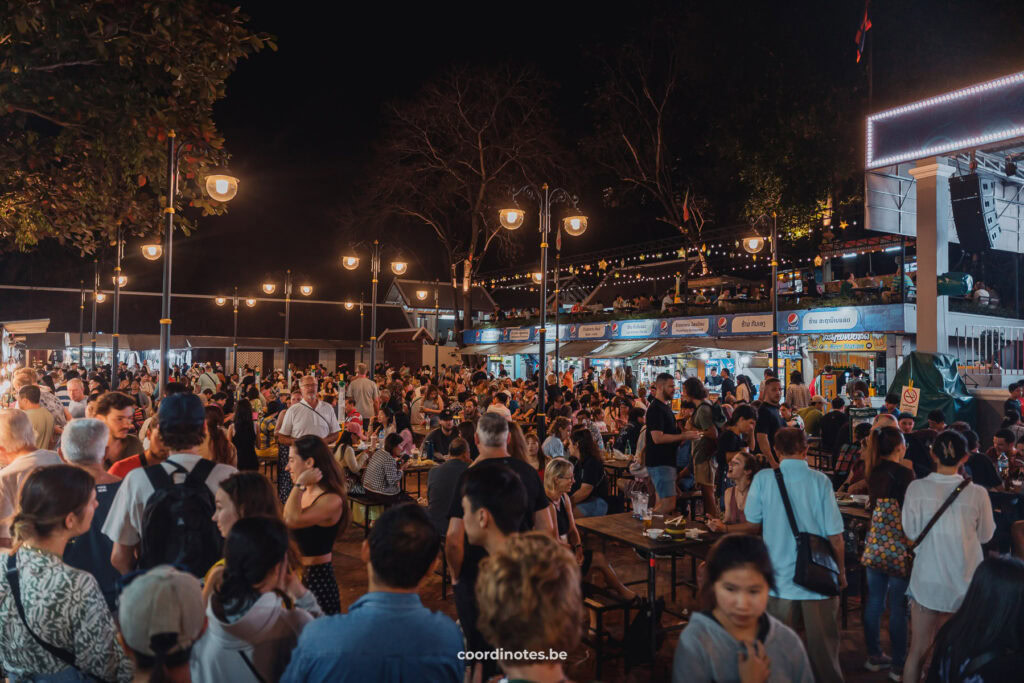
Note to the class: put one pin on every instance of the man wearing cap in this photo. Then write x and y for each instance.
(441, 437)
(307, 416)
(161, 615)
(812, 415)
(182, 428)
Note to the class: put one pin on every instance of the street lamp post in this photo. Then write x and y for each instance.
(512, 219)
(422, 294)
(775, 293)
(114, 337)
(81, 324)
(219, 187)
(95, 301)
(351, 262)
(220, 301)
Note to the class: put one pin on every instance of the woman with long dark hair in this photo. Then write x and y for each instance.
(257, 611)
(984, 639)
(62, 605)
(216, 446)
(590, 495)
(244, 437)
(316, 511)
(735, 639)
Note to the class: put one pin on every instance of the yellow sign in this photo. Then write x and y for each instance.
(851, 341)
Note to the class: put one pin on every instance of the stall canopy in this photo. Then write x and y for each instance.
(575, 349)
(621, 349)
(477, 349)
(743, 344)
(668, 347)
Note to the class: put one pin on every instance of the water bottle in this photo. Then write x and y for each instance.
(1003, 465)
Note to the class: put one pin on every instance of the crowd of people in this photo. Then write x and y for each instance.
(144, 543)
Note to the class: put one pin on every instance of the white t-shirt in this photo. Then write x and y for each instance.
(500, 410)
(11, 478)
(303, 419)
(947, 557)
(124, 521)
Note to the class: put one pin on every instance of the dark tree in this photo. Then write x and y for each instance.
(88, 91)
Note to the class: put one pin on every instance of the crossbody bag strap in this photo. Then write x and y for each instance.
(785, 501)
(12, 578)
(938, 513)
(252, 667)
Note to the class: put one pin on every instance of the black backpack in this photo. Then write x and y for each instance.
(177, 524)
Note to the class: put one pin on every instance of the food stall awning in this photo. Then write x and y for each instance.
(745, 344)
(477, 349)
(574, 349)
(621, 349)
(518, 349)
(668, 347)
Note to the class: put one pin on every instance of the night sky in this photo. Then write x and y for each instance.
(301, 122)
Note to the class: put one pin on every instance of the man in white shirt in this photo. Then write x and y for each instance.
(182, 428)
(18, 448)
(499, 405)
(76, 398)
(304, 417)
(365, 394)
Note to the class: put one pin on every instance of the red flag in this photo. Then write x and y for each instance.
(686, 209)
(862, 32)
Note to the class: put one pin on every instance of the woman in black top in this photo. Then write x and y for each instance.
(316, 511)
(888, 476)
(590, 497)
(558, 480)
(984, 639)
(244, 437)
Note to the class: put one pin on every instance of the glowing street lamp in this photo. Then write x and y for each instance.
(306, 290)
(120, 280)
(152, 252)
(100, 297)
(269, 288)
(537, 277)
(421, 294)
(753, 245)
(250, 302)
(350, 262)
(220, 300)
(575, 225)
(511, 219)
(399, 267)
(349, 305)
(223, 188)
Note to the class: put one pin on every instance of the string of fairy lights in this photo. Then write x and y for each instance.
(620, 268)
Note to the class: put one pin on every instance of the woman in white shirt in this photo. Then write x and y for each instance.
(945, 560)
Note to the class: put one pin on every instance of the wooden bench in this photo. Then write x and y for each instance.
(600, 601)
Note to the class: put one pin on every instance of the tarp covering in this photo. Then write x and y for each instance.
(936, 375)
(668, 347)
(477, 349)
(574, 349)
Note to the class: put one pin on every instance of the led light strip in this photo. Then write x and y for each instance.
(949, 146)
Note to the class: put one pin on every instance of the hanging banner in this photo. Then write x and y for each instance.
(853, 341)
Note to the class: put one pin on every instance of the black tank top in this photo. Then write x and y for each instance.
(562, 517)
(316, 540)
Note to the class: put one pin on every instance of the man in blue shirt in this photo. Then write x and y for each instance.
(814, 506)
(387, 635)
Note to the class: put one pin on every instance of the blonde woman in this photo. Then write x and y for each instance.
(530, 601)
(558, 478)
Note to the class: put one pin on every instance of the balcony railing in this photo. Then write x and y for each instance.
(786, 303)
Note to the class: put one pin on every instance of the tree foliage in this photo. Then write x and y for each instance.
(88, 91)
(451, 156)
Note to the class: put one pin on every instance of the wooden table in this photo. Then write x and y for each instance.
(855, 512)
(624, 528)
(418, 470)
(616, 469)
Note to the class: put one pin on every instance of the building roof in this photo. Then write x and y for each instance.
(404, 292)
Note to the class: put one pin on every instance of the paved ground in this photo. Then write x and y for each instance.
(351, 574)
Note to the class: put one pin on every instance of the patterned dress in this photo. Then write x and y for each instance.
(65, 607)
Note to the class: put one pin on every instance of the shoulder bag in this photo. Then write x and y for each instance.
(72, 673)
(816, 566)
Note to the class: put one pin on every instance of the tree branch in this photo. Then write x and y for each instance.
(61, 65)
(41, 115)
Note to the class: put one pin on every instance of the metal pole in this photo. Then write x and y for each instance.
(361, 327)
(287, 315)
(165, 309)
(95, 291)
(545, 212)
(81, 325)
(117, 311)
(234, 334)
(558, 264)
(437, 323)
(375, 273)
(775, 294)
